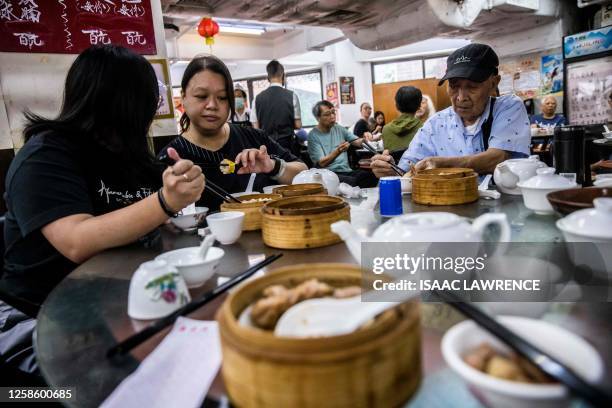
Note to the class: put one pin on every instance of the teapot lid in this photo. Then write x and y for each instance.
(546, 178)
(590, 222)
(407, 225)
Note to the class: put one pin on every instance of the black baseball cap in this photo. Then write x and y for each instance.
(475, 62)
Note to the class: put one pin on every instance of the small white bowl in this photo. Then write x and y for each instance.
(189, 221)
(243, 193)
(603, 182)
(268, 189)
(192, 268)
(226, 226)
(564, 345)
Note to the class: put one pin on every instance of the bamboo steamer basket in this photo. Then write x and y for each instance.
(303, 221)
(445, 186)
(376, 366)
(295, 190)
(252, 211)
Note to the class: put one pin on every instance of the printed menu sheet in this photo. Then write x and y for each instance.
(178, 373)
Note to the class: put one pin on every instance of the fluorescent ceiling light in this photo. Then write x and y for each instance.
(241, 30)
(413, 54)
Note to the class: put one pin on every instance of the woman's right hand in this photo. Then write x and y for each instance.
(380, 164)
(183, 182)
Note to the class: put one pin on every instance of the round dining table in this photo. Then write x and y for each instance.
(86, 313)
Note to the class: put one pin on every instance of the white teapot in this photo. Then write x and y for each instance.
(423, 227)
(510, 172)
(328, 178)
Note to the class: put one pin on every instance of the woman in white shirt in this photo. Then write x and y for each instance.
(242, 116)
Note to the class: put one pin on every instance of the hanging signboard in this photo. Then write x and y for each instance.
(70, 26)
(590, 42)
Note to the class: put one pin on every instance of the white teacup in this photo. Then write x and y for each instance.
(226, 226)
(156, 290)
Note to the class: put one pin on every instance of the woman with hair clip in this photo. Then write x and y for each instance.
(207, 139)
(82, 183)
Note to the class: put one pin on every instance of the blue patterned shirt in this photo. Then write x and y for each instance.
(444, 134)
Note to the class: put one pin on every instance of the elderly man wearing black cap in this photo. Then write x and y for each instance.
(477, 131)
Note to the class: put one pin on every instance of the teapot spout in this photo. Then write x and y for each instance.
(351, 237)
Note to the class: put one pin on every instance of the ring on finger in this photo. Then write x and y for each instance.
(185, 177)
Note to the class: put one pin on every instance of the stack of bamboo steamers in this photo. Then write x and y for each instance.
(297, 216)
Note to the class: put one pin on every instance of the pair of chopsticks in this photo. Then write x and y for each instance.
(398, 170)
(140, 337)
(548, 364)
(210, 186)
(221, 193)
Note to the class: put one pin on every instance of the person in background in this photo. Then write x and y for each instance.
(328, 143)
(398, 133)
(302, 136)
(91, 185)
(276, 110)
(476, 132)
(379, 123)
(426, 110)
(207, 139)
(242, 114)
(548, 117)
(362, 126)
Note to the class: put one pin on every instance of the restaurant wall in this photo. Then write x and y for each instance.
(528, 77)
(35, 82)
(345, 64)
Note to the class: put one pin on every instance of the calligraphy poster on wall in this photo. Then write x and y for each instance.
(589, 84)
(347, 90)
(70, 26)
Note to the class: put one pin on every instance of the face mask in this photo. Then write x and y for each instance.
(239, 103)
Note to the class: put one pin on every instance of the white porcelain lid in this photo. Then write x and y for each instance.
(590, 222)
(546, 178)
(407, 225)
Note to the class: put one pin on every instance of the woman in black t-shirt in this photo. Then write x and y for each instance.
(362, 126)
(85, 181)
(207, 138)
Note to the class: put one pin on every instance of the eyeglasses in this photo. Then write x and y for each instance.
(329, 113)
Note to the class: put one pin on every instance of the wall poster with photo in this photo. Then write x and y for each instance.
(347, 90)
(165, 107)
(331, 95)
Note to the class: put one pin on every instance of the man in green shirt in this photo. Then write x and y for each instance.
(328, 143)
(398, 134)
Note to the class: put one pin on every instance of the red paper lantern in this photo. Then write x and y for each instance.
(208, 28)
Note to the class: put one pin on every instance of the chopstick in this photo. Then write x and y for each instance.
(210, 186)
(221, 193)
(398, 170)
(548, 364)
(140, 337)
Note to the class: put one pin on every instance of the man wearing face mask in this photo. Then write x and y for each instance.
(478, 131)
(242, 116)
(276, 110)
